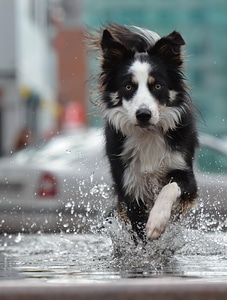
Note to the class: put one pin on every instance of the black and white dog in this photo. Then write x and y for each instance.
(150, 125)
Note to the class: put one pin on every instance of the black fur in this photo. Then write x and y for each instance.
(120, 47)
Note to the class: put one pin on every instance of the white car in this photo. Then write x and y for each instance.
(211, 172)
(62, 184)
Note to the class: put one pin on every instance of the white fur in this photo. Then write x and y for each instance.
(142, 96)
(114, 98)
(172, 95)
(123, 118)
(119, 119)
(149, 158)
(169, 117)
(161, 212)
(150, 36)
(118, 116)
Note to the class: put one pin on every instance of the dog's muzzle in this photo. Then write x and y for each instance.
(143, 116)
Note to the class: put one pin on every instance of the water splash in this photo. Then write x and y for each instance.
(149, 258)
(177, 244)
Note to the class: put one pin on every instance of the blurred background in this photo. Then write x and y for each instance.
(44, 66)
(61, 183)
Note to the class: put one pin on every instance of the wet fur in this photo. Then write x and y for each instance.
(151, 161)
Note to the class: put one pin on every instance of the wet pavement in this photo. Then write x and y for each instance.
(181, 265)
(187, 261)
(107, 257)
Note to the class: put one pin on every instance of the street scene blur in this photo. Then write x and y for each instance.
(54, 176)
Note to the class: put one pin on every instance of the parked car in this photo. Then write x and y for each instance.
(60, 184)
(211, 172)
(64, 184)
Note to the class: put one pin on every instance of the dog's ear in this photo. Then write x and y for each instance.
(169, 48)
(107, 40)
(113, 51)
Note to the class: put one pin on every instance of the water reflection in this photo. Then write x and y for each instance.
(92, 257)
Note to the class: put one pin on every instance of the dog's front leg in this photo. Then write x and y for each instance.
(160, 214)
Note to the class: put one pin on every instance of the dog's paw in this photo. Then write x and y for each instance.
(157, 223)
(161, 212)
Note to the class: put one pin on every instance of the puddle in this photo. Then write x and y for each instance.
(107, 256)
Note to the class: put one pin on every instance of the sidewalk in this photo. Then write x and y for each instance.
(142, 289)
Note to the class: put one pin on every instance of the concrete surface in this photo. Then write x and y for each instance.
(142, 289)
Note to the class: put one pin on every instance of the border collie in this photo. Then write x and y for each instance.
(150, 126)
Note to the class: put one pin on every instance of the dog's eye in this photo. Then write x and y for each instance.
(157, 86)
(128, 87)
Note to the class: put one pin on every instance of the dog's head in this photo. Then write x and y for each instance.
(141, 78)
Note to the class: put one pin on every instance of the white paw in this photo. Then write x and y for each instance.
(161, 212)
(157, 222)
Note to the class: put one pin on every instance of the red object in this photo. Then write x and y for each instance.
(74, 115)
(48, 186)
(72, 76)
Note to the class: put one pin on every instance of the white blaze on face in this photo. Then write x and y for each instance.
(142, 97)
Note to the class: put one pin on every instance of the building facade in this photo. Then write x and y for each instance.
(27, 72)
(204, 27)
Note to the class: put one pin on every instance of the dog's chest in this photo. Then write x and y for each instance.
(147, 159)
(146, 154)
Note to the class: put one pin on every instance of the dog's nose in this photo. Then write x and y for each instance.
(143, 114)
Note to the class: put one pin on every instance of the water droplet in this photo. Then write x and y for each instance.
(18, 238)
(91, 177)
